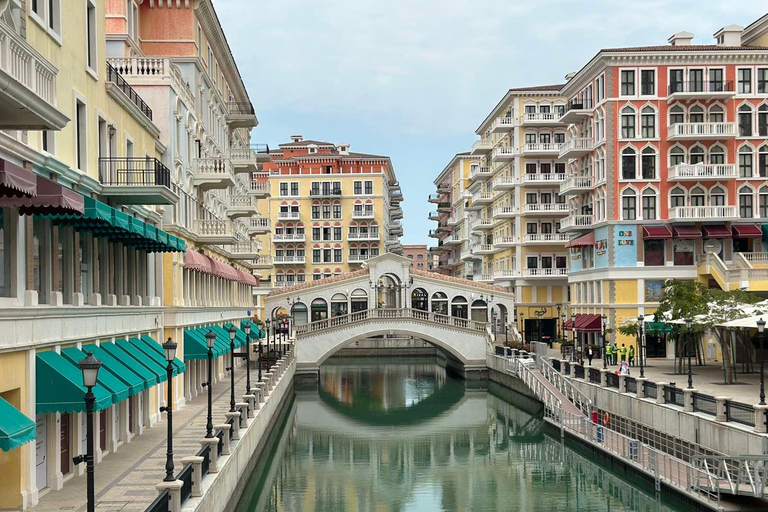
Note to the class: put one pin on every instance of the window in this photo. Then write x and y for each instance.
(715, 80)
(696, 80)
(716, 114)
(337, 258)
(294, 188)
(696, 114)
(628, 164)
(315, 211)
(283, 189)
(653, 252)
(132, 11)
(677, 197)
(717, 155)
(745, 203)
(676, 115)
(762, 121)
(627, 123)
(764, 202)
(315, 234)
(90, 37)
(745, 121)
(762, 81)
(48, 141)
(81, 135)
(762, 161)
(676, 156)
(745, 162)
(545, 138)
(358, 188)
(683, 252)
(675, 81)
(697, 155)
(326, 211)
(530, 138)
(629, 205)
(744, 81)
(717, 197)
(697, 197)
(369, 187)
(648, 123)
(316, 255)
(628, 82)
(647, 82)
(648, 164)
(649, 204)
(337, 211)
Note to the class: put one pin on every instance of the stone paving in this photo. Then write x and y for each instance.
(126, 480)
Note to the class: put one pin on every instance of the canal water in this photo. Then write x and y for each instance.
(402, 435)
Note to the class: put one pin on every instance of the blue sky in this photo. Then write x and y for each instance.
(412, 79)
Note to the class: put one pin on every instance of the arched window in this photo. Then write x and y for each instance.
(763, 198)
(648, 163)
(629, 204)
(716, 114)
(359, 300)
(762, 161)
(697, 155)
(338, 305)
(676, 156)
(420, 299)
(319, 310)
(459, 307)
(648, 122)
(440, 303)
(717, 196)
(299, 313)
(628, 123)
(649, 204)
(745, 121)
(677, 197)
(628, 164)
(698, 197)
(676, 115)
(696, 114)
(479, 311)
(717, 155)
(746, 203)
(746, 162)
(762, 120)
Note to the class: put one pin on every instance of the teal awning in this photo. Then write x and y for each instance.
(256, 332)
(106, 379)
(59, 386)
(122, 371)
(158, 349)
(196, 348)
(159, 362)
(16, 428)
(142, 359)
(658, 327)
(221, 341)
(223, 334)
(150, 377)
(239, 335)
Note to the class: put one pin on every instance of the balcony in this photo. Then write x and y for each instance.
(241, 206)
(696, 172)
(136, 180)
(363, 214)
(506, 241)
(260, 187)
(289, 260)
(505, 275)
(455, 219)
(264, 261)
(359, 258)
(483, 224)
(576, 110)
(483, 198)
(503, 124)
(551, 179)
(545, 209)
(547, 273)
(485, 249)
(244, 250)
(434, 233)
(243, 160)
(215, 231)
(325, 192)
(213, 173)
(700, 89)
(396, 229)
(540, 119)
(575, 185)
(28, 93)
(454, 239)
(283, 215)
(240, 114)
(482, 147)
(259, 226)
(703, 213)
(288, 237)
(576, 147)
(440, 197)
(504, 212)
(702, 131)
(503, 154)
(504, 183)
(396, 213)
(434, 216)
(135, 103)
(484, 278)
(576, 223)
(371, 235)
(480, 173)
(545, 238)
(543, 149)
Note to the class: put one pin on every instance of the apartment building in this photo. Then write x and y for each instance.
(117, 188)
(667, 173)
(331, 209)
(419, 255)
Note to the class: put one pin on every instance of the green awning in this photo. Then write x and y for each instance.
(764, 227)
(256, 332)
(142, 359)
(223, 335)
(158, 349)
(106, 379)
(150, 232)
(194, 347)
(658, 327)
(16, 428)
(151, 354)
(221, 341)
(139, 369)
(59, 386)
(162, 237)
(134, 382)
(239, 335)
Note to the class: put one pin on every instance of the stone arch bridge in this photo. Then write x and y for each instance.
(388, 297)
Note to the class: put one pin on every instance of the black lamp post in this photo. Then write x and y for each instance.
(232, 333)
(760, 336)
(641, 344)
(559, 307)
(247, 329)
(268, 324)
(689, 339)
(210, 340)
(261, 348)
(90, 369)
(604, 319)
(170, 354)
(573, 334)
(522, 326)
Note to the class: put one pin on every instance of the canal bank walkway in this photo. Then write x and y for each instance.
(126, 480)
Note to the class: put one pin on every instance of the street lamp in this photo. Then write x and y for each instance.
(247, 329)
(522, 326)
(760, 336)
(641, 344)
(210, 340)
(573, 334)
(90, 369)
(689, 334)
(559, 306)
(604, 319)
(232, 333)
(170, 354)
(268, 323)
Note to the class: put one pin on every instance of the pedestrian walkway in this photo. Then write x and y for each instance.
(126, 480)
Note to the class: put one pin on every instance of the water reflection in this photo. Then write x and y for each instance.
(471, 450)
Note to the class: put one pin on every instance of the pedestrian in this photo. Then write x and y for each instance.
(590, 354)
(615, 354)
(623, 352)
(607, 355)
(632, 355)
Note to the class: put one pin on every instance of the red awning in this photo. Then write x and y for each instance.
(686, 232)
(589, 323)
(567, 326)
(246, 278)
(582, 241)
(193, 260)
(746, 231)
(15, 181)
(656, 232)
(223, 270)
(717, 231)
(51, 199)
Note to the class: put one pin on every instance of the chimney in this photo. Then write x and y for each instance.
(569, 76)
(681, 39)
(297, 138)
(729, 36)
(343, 148)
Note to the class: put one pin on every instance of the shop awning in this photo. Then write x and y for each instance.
(658, 327)
(246, 278)
(151, 355)
(239, 335)
(256, 332)
(223, 270)
(656, 233)
(153, 345)
(142, 359)
(16, 428)
(716, 231)
(150, 377)
(589, 323)
(220, 347)
(51, 199)
(197, 262)
(582, 241)
(568, 325)
(119, 369)
(746, 231)
(223, 334)
(16, 181)
(194, 347)
(686, 232)
(105, 379)
(59, 386)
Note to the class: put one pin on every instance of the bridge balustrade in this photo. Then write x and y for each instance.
(392, 314)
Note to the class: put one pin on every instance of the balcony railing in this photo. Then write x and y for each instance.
(503, 182)
(505, 274)
(576, 221)
(545, 208)
(702, 171)
(138, 69)
(504, 211)
(576, 146)
(241, 108)
(288, 237)
(482, 145)
(506, 241)
(115, 77)
(700, 86)
(288, 215)
(133, 171)
(372, 235)
(328, 192)
(259, 186)
(703, 212)
(540, 117)
(503, 152)
(503, 123)
(300, 260)
(543, 177)
(363, 214)
(576, 183)
(359, 258)
(213, 165)
(578, 104)
(545, 272)
(483, 224)
(260, 223)
(715, 130)
(483, 197)
(214, 227)
(241, 154)
(479, 173)
(556, 238)
(542, 147)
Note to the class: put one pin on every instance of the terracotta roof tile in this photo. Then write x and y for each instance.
(554, 87)
(685, 48)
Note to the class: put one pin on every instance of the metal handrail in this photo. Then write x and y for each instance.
(743, 474)
(117, 79)
(564, 385)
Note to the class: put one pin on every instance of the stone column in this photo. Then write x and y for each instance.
(174, 489)
(197, 474)
(213, 442)
(604, 378)
(641, 386)
(251, 401)
(688, 399)
(235, 416)
(761, 416)
(722, 414)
